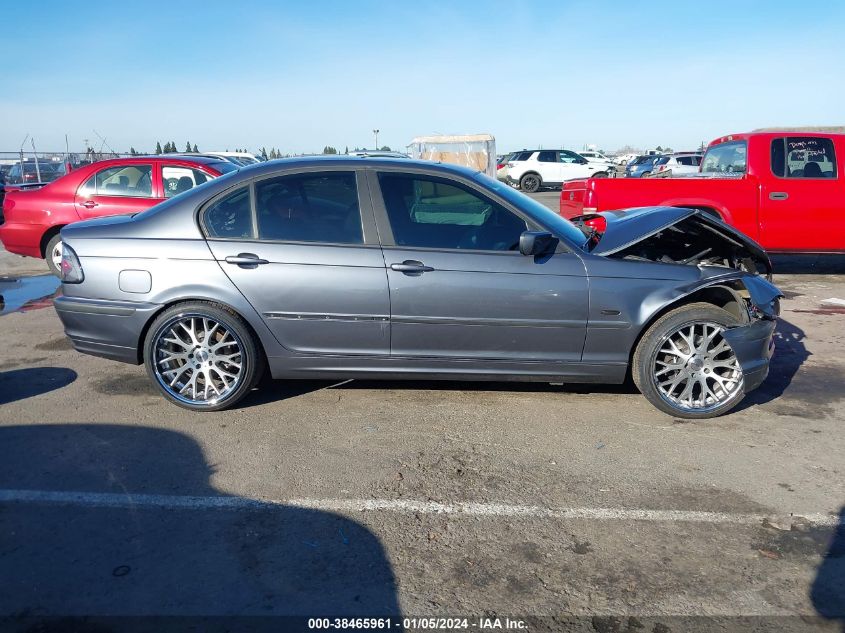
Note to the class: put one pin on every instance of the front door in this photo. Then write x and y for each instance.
(120, 190)
(308, 261)
(801, 207)
(460, 289)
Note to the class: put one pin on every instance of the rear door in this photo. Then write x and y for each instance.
(803, 198)
(117, 190)
(549, 167)
(303, 250)
(460, 289)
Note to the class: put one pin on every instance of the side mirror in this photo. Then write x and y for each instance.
(535, 242)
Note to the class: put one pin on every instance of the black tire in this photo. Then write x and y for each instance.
(530, 183)
(52, 245)
(645, 174)
(645, 359)
(599, 174)
(252, 361)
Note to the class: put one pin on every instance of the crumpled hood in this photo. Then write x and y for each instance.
(629, 226)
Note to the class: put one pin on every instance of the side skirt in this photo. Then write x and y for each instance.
(398, 368)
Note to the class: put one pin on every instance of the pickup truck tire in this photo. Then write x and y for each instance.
(684, 367)
(530, 183)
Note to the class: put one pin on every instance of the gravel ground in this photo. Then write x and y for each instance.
(439, 499)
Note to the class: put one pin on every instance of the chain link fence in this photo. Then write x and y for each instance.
(21, 167)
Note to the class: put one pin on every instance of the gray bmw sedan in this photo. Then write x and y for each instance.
(369, 267)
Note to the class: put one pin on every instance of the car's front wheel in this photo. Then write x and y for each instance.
(684, 366)
(530, 183)
(202, 356)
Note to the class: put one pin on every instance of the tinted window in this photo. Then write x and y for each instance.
(662, 161)
(130, 180)
(725, 159)
(806, 157)
(521, 156)
(547, 157)
(317, 207)
(778, 157)
(438, 213)
(176, 180)
(230, 217)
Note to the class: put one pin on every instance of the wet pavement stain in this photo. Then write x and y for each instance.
(27, 293)
(58, 344)
(125, 385)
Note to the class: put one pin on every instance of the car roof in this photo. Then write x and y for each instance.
(343, 161)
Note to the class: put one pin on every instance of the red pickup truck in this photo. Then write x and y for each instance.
(785, 190)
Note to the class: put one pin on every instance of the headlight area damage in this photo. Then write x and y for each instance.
(731, 265)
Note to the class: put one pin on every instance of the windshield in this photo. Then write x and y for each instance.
(558, 225)
(725, 159)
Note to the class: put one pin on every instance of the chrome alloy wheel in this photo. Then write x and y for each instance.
(696, 369)
(56, 256)
(198, 360)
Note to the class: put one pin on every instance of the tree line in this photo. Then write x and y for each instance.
(170, 148)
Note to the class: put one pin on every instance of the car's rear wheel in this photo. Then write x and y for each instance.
(53, 255)
(202, 356)
(684, 366)
(530, 183)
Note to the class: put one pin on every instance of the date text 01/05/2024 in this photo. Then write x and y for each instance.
(422, 623)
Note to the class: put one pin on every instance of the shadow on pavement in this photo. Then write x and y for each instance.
(19, 384)
(808, 264)
(790, 355)
(145, 533)
(828, 590)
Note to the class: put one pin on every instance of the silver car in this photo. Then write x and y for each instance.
(378, 268)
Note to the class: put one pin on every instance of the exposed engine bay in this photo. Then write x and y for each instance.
(696, 239)
(693, 243)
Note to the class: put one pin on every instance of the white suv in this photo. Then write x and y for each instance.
(531, 170)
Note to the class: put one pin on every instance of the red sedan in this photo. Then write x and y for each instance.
(32, 218)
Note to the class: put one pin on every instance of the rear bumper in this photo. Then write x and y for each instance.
(754, 347)
(109, 329)
(22, 239)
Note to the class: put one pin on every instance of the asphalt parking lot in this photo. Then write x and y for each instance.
(441, 499)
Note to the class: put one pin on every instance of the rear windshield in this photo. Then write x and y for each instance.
(662, 161)
(639, 160)
(726, 159)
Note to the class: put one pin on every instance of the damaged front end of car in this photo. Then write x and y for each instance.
(734, 271)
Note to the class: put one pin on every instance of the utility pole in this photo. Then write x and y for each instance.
(375, 133)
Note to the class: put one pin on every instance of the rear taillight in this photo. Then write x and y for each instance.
(71, 268)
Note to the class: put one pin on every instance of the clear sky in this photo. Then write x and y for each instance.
(299, 74)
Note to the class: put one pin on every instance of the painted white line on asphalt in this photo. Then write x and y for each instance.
(405, 506)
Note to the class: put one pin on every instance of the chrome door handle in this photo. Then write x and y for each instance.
(411, 266)
(245, 260)
(778, 195)
(89, 204)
